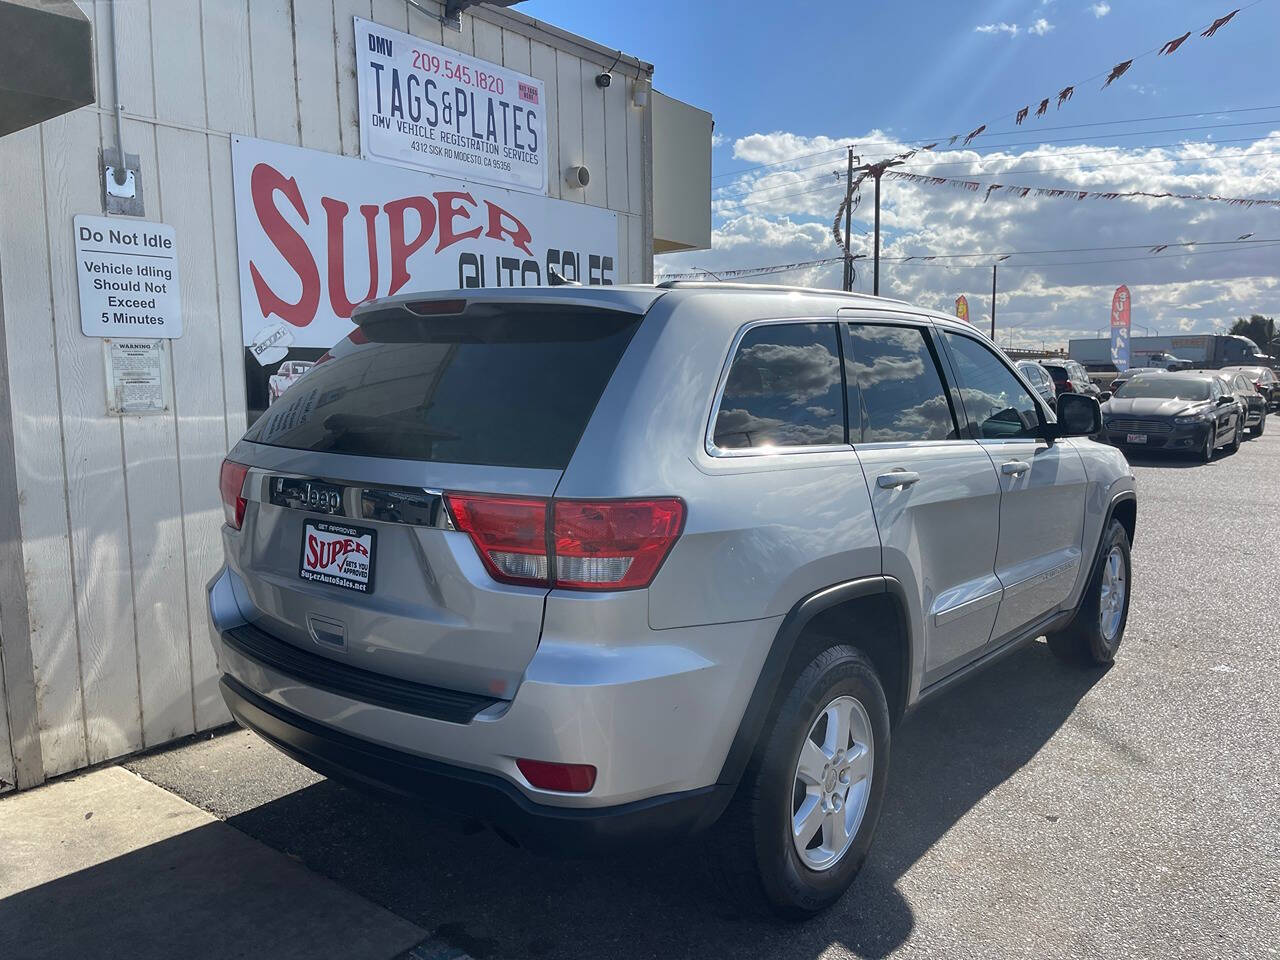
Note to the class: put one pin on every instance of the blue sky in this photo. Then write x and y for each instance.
(921, 69)
(788, 80)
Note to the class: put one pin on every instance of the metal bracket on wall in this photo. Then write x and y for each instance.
(117, 197)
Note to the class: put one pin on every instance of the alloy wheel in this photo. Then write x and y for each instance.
(832, 783)
(1114, 587)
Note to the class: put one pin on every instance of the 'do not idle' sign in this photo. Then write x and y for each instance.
(128, 275)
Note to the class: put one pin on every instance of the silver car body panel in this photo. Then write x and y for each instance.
(650, 685)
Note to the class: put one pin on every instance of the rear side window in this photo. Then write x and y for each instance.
(901, 391)
(503, 386)
(998, 405)
(784, 389)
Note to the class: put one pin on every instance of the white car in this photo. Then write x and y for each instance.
(283, 378)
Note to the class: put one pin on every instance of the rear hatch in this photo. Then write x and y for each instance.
(346, 549)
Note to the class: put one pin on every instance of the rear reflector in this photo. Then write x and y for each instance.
(564, 777)
(231, 486)
(593, 545)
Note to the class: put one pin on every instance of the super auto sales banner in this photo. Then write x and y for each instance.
(317, 234)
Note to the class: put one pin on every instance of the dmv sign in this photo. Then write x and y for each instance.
(427, 107)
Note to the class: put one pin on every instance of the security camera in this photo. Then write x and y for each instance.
(604, 79)
(577, 176)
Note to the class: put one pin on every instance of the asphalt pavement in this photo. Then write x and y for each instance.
(1038, 810)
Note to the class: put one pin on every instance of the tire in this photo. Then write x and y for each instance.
(1234, 445)
(1261, 427)
(752, 852)
(1210, 437)
(1091, 638)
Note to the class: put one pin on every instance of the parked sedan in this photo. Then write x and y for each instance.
(1121, 378)
(1039, 378)
(1264, 381)
(1254, 403)
(1187, 412)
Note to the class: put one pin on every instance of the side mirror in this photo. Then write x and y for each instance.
(1078, 416)
(1104, 396)
(1226, 399)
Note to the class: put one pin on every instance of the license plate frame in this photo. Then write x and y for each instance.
(1135, 438)
(319, 554)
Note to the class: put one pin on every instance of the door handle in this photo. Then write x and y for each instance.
(897, 478)
(1014, 468)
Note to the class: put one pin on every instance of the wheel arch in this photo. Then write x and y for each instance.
(869, 613)
(1124, 507)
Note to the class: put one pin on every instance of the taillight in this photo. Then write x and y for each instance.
(510, 534)
(612, 544)
(592, 545)
(1068, 387)
(231, 486)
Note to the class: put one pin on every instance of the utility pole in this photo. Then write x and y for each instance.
(848, 218)
(993, 302)
(876, 170)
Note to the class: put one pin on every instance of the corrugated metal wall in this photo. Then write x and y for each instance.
(120, 517)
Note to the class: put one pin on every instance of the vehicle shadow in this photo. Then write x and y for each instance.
(480, 895)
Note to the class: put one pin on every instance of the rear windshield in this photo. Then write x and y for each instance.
(1164, 388)
(507, 387)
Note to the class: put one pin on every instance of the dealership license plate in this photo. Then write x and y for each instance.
(1135, 438)
(338, 554)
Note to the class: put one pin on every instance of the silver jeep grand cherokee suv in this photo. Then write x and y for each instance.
(607, 564)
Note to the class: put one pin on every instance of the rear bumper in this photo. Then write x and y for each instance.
(568, 831)
(655, 711)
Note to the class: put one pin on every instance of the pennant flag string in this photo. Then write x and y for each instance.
(1173, 45)
(1219, 23)
(1117, 72)
(1065, 94)
(1021, 191)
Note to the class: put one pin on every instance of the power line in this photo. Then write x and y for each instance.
(931, 259)
(1028, 142)
(1000, 133)
(1000, 173)
(1074, 153)
(1078, 83)
(1079, 263)
(1065, 192)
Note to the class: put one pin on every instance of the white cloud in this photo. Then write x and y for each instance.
(1010, 28)
(783, 214)
(1100, 9)
(1040, 27)
(717, 140)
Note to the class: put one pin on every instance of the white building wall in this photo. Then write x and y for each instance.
(120, 517)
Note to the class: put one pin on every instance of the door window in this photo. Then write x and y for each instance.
(784, 389)
(998, 406)
(902, 397)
